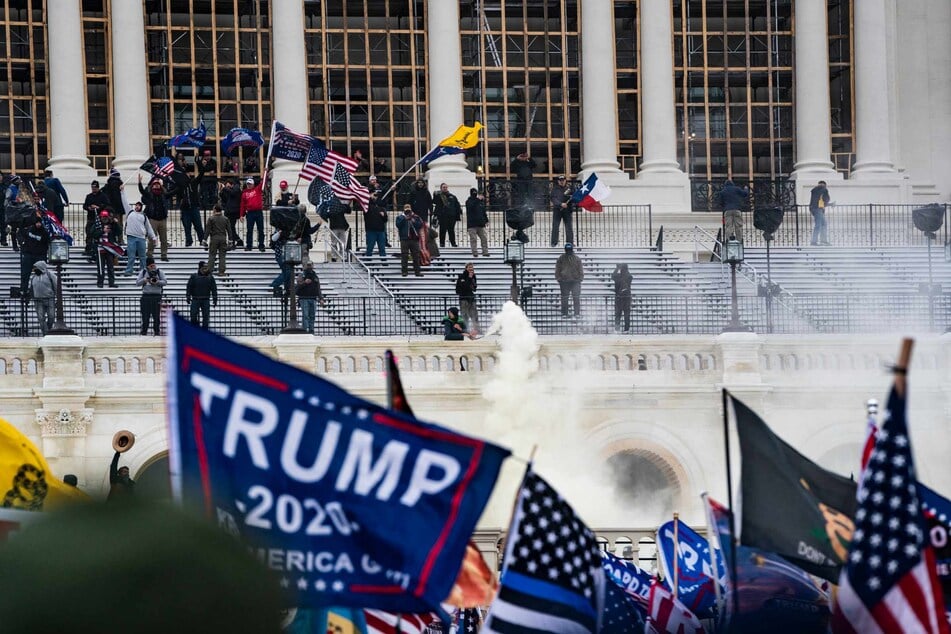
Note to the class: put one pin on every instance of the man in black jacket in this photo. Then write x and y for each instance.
(34, 243)
(374, 221)
(561, 210)
(466, 286)
(113, 191)
(522, 167)
(733, 199)
(308, 294)
(476, 221)
(421, 200)
(448, 211)
(818, 201)
(200, 292)
(95, 202)
(230, 197)
(207, 179)
(155, 200)
(186, 191)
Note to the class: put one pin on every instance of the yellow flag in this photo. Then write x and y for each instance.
(464, 137)
(26, 481)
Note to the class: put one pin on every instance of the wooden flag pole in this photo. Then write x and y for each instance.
(901, 370)
(676, 554)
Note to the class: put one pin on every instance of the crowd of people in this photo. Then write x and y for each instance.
(114, 227)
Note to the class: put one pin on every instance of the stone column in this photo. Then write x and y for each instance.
(444, 60)
(289, 81)
(873, 156)
(598, 94)
(63, 417)
(658, 113)
(813, 103)
(130, 87)
(68, 140)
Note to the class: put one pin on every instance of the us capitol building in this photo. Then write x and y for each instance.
(661, 98)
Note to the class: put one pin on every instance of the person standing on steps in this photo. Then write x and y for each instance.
(448, 212)
(561, 210)
(476, 221)
(818, 201)
(217, 229)
(733, 199)
(622, 296)
(410, 228)
(152, 280)
(155, 200)
(466, 285)
(569, 273)
(252, 209)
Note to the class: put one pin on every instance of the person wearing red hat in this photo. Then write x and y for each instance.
(252, 207)
(284, 197)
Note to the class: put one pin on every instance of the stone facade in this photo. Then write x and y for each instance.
(577, 403)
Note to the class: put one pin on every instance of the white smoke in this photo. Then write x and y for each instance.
(527, 410)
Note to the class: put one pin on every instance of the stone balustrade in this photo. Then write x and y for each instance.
(583, 402)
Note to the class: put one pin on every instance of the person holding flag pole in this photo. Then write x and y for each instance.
(464, 138)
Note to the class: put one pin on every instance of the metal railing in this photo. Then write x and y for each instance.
(615, 226)
(848, 226)
(696, 313)
(765, 192)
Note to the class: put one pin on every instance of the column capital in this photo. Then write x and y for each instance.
(64, 422)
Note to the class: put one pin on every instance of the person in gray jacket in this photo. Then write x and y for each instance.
(43, 286)
(569, 273)
(152, 280)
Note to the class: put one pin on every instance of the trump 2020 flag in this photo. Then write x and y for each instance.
(241, 137)
(888, 583)
(629, 577)
(591, 194)
(350, 504)
(552, 580)
(695, 578)
(195, 137)
(937, 512)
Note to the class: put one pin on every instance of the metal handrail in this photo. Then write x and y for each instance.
(754, 277)
(348, 258)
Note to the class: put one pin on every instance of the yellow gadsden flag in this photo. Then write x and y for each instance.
(26, 481)
(464, 137)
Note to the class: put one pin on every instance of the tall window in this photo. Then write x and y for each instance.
(521, 80)
(628, 98)
(24, 95)
(98, 65)
(734, 87)
(840, 82)
(366, 67)
(210, 60)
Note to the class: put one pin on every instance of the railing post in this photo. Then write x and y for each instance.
(650, 223)
(871, 230)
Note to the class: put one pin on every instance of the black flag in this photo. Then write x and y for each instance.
(396, 397)
(790, 505)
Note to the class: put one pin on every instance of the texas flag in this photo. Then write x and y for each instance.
(591, 194)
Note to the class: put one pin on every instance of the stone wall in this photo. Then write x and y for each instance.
(575, 402)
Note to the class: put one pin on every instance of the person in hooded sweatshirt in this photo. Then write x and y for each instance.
(200, 292)
(43, 286)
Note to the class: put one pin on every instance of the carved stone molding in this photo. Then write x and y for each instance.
(63, 422)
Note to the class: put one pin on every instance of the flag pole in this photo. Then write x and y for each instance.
(411, 168)
(901, 370)
(729, 496)
(713, 560)
(676, 553)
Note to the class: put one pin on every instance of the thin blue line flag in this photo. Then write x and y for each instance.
(351, 504)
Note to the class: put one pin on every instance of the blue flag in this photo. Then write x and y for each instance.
(349, 503)
(621, 613)
(438, 152)
(195, 137)
(240, 137)
(695, 578)
(289, 145)
(937, 512)
(629, 577)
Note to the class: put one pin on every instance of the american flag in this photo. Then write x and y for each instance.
(621, 614)
(552, 580)
(55, 228)
(888, 583)
(470, 621)
(110, 247)
(667, 615)
(323, 162)
(380, 622)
